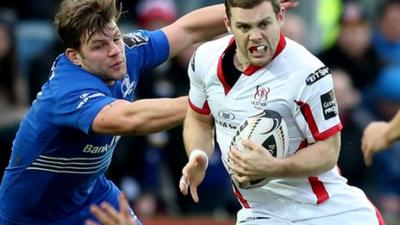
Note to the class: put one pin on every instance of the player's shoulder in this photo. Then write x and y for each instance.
(300, 61)
(214, 48)
(300, 57)
(207, 54)
(140, 37)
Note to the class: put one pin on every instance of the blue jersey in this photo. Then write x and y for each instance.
(57, 164)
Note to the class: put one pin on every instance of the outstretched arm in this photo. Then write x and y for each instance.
(140, 117)
(378, 136)
(197, 26)
(197, 134)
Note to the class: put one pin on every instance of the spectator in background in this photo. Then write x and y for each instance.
(294, 28)
(37, 9)
(387, 36)
(11, 109)
(153, 14)
(38, 71)
(353, 51)
(8, 64)
(353, 117)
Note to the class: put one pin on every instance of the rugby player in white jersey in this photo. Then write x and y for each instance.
(257, 68)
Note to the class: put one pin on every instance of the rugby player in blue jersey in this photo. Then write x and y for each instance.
(66, 140)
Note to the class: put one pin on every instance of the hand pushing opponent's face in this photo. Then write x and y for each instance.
(257, 32)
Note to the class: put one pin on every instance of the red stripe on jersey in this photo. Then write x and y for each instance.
(205, 110)
(239, 196)
(251, 69)
(319, 189)
(302, 145)
(279, 48)
(380, 218)
(307, 113)
(312, 124)
(316, 185)
(331, 131)
(281, 45)
(378, 214)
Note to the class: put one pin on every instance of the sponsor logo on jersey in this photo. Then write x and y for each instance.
(93, 149)
(224, 119)
(329, 106)
(85, 97)
(226, 115)
(248, 219)
(225, 124)
(135, 39)
(317, 75)
(260, 97)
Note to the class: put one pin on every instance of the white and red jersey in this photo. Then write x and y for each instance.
(295, 84)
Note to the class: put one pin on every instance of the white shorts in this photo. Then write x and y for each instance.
(350, 207)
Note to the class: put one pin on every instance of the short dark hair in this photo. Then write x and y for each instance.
(249, 4)
(78, 20)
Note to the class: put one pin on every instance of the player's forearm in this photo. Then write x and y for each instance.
(393, 132)
(312, 160)
(205, 23)
(198, 135)
(154, 115)
(140, 117)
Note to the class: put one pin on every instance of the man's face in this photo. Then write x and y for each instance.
(104, 54)
(256, 31)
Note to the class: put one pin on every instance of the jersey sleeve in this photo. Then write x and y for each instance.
(79, 107)
(146, 49)
(317, 114)
(197, 94)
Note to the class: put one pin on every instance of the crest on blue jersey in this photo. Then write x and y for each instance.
(127, 86)
(135, 39)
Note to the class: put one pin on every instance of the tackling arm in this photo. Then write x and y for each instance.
(197, 26)
(140, 117)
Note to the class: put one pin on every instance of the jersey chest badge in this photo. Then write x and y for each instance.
(127, 86)
(260, 97)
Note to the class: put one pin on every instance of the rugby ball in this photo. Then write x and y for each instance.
(268, 129)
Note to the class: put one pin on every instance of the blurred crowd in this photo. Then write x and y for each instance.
(358, 42)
